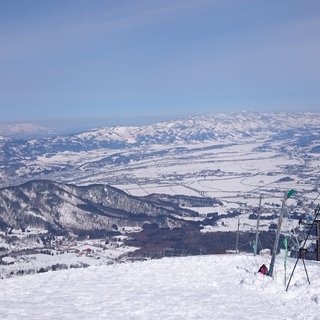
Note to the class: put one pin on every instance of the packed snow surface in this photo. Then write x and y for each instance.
(197, 287)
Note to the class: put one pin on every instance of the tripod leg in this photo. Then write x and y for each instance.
(317, 211)
(306, 270)
(293, 271)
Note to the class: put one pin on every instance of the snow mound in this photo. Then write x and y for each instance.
(196, 287)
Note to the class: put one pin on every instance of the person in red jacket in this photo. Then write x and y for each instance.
(263, 269)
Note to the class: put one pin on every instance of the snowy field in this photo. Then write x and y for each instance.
(226, 172)
(198, 287)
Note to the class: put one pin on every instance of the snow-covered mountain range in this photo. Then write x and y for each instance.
(227, 127)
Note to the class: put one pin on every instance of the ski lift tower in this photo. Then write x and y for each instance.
(276, 242)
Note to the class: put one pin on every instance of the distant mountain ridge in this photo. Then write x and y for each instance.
(26, 131)
(224, 127)
(212, 126)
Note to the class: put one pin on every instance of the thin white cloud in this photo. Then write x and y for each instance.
(69, 27)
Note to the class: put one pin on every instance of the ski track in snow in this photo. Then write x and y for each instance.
(197, 287)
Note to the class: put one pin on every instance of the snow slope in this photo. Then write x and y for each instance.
(197, 287)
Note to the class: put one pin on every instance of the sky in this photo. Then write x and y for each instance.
(130, 62)
(203, 287)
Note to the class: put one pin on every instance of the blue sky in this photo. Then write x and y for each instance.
(131, 61)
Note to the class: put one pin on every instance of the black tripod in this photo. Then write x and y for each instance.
(302, 250)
